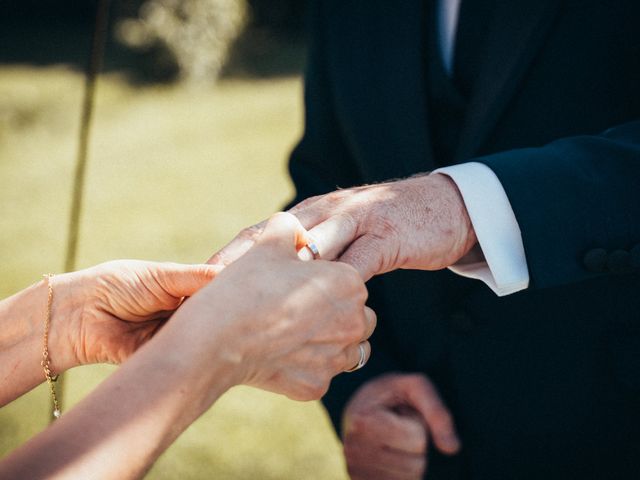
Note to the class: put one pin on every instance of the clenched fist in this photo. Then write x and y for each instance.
(388, 424)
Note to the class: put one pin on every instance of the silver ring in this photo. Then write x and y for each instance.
(362, 361)
(313, 248)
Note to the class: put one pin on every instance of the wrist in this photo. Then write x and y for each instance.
(67, 309)
(464, 237)
(204, 342)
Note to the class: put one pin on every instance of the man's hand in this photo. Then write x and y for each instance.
(417, 223)
(388, 424)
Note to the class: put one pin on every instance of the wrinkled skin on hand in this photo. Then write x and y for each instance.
(417, 223)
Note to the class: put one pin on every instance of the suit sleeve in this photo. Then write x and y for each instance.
(577, 202)
(320, 163)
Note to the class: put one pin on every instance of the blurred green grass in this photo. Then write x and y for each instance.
(174, 173)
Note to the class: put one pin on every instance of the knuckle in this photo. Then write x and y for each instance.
(361, 294)
(336, 197)
(353, 329)
(348, 220)
(304, 203)
(385, 228)
(352, 282)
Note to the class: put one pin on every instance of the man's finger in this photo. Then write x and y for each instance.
(334, 235)
(309, 212)
(385, 428)
(422, 396)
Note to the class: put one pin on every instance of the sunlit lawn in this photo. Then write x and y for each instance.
(173, 174)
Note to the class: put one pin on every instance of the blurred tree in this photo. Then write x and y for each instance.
(195, 35)
(160, 40)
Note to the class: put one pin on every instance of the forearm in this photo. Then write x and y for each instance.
(572, 196)
(122, 427)
(21, 336)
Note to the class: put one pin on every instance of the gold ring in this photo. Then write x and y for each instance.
(313, 248)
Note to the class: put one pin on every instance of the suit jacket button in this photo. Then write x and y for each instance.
(595, 260)
(461, 322)
(635, 256)
(619, 261)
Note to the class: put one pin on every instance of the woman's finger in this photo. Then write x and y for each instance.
(371, 320)
(334, 235)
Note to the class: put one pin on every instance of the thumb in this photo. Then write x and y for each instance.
(284, 233)
(181, 280)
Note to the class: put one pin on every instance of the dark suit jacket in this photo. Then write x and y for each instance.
(544, 383)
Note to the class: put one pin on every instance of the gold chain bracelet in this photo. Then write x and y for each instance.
(46, 364)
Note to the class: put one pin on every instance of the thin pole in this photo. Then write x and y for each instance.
(91, 75)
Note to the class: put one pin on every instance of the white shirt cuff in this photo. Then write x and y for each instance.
(501, 264)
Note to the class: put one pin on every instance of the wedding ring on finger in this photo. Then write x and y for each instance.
(362, 361)
(313, 248)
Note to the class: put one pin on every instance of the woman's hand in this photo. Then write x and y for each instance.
(119, 305)
(101, 314)
(283, 324)
(270, 320)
